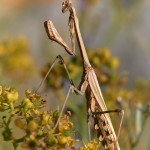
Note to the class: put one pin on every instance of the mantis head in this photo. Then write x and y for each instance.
(66, 5)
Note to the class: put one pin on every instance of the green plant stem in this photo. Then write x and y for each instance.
(15, 146)
(129, 124)
(133, 145)
(17, 141)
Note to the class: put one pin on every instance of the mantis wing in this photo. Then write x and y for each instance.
(98, 95)
(96, 89)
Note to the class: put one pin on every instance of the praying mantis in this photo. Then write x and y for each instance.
(89, 84)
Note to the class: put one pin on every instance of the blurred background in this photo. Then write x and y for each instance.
(119, 29)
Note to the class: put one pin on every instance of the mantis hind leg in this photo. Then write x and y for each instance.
(66, 99)
(120, 111)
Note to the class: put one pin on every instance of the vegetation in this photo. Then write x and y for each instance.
(36, 126)
(27, 123)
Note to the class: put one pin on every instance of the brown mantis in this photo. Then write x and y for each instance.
(88, 85)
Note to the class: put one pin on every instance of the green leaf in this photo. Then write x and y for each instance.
(36, 103)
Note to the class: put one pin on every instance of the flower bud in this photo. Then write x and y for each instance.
(32, 126)
(114, 63)
(96, 61)
(52, 141)
(27, 92)
(68, 125)
(106, 54)
(45, 119)
(27, 103)
(63, 140)
(19, 123)
(40, 132)
(56, 114)
(82, 148)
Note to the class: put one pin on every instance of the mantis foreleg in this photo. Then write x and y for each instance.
(72, 87)
(61, 61)
(54, 35)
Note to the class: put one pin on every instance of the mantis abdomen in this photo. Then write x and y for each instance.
(105, 133)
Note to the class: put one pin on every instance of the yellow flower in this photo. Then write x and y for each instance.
(63, 140)
(27, 104)
(10, 95)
